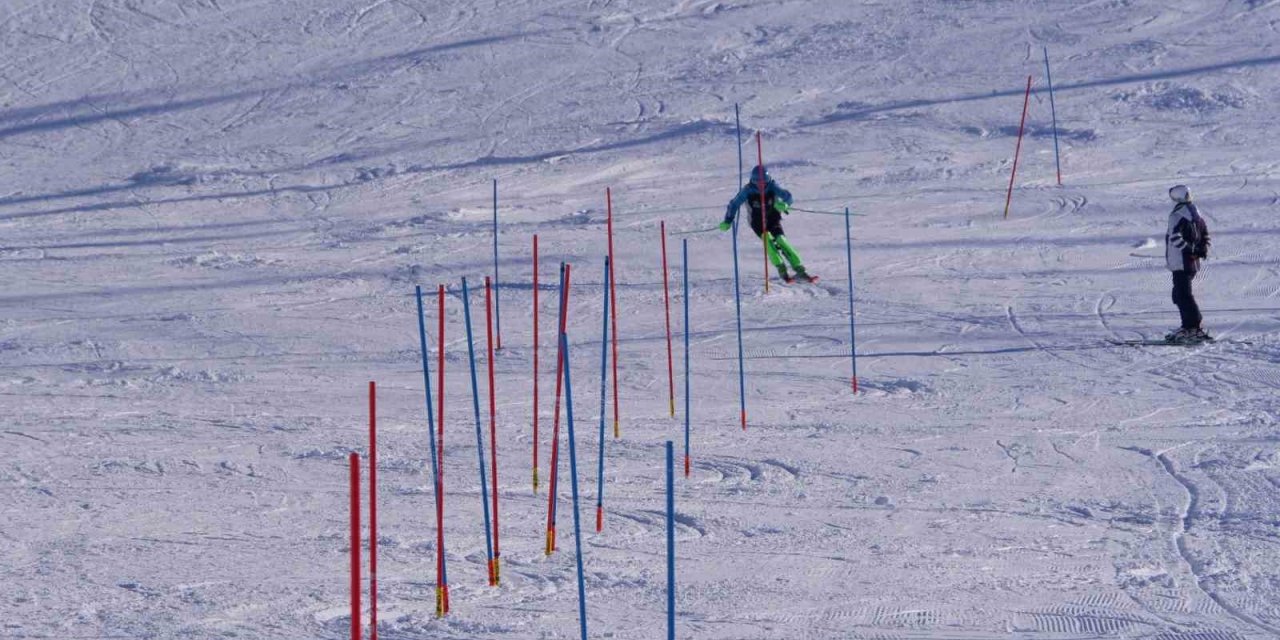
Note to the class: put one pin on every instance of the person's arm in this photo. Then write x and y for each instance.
(782, 194)
(1184, 237)
(732, 211)
(1200, 248)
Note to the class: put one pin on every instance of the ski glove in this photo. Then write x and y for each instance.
(782, 206)
(724, 226)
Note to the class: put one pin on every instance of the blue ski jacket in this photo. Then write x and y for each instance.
(752, 190)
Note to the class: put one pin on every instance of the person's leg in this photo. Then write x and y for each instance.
(778, 244)
(1182, 297)
(772, 251)
(755, 222)
(1193, 307)
(790, 252)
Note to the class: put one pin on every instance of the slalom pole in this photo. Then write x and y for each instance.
(853, 339)
(737, 120)
(764, 221)
(685, 250)
(535, 363)
(431, 436)
(1018, 149)
(353, 465)
(604, 358)
(373, 512)
(613, 301)
(671, 547)
(737, 287)
(497, 296)
(573, 472)
(495, 568)
(442, 568)
(555, 433)
(475, 401)
(1057, 157)
(666, 300)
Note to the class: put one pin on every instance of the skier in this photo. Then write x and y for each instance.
(1186, 243)
(779, 202)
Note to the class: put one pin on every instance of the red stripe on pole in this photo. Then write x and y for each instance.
(373, 511)
(442, 584)
(555, 432)
(613, 302)
(535, 363)
(1017, 150)
(666, 300)
(353, 463)
(494, 571)
(764, 223)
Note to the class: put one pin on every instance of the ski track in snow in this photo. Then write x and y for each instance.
(214, 213)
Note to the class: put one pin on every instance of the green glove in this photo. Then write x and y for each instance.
(782, 206)
(724, 226)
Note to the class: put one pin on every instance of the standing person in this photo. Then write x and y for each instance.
(779, 202)
(1186, 243)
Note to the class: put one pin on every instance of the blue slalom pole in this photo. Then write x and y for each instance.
(671, 547)
(431, 421)
(737, 120)
(573, 473)
(497, 295)
(475, 401)
(685, 250)
(604, 362)
(737, 286)
(853, 339)
(1057, 158)
(555, 461)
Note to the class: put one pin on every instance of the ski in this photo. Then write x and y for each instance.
(806, 280)
(1166, 343)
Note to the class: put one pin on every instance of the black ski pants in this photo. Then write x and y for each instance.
(1185, 299)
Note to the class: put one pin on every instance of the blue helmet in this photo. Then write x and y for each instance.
(759, 173)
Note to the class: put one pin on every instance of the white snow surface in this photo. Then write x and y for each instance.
(213, 214)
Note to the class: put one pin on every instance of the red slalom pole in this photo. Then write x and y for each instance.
(353, 463)
(613, 300)
(495, 571)
(442, 576)
(764, 224)
(373, 511)
(535, 363)
(555, 433)
(1017, 150)
(666, 299)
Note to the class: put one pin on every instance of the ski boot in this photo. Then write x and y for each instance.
(782, 273)
(804, 276)
(1194, 335)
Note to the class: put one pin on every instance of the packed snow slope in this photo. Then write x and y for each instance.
(213, 214)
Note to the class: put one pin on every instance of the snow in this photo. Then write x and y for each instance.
(213, 214)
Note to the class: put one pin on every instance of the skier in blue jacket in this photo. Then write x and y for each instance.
(769, 226)
(1186, 243)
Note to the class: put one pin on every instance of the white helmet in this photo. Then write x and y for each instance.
(1180, 194)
